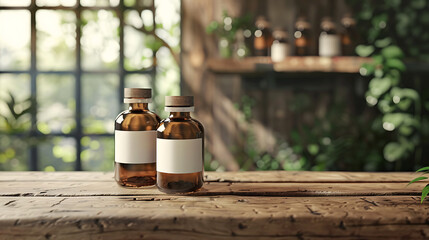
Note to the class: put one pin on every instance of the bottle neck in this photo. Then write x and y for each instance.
(139, 106)
(181, 115)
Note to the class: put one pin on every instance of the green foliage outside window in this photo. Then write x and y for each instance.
(56, 104)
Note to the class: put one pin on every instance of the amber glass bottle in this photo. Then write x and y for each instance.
(302, 37)
(135, 141)
(180, 144)
(350, 36)
(263, 37)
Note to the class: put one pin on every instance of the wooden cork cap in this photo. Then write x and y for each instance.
(137, 93)
(179, 101)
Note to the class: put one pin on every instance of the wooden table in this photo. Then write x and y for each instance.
(243, 205)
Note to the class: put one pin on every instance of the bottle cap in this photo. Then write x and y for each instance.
(279, 33)
(179, 101)
(137, 93)
(302, 23)
(261, 22)
(348, 20)
(327, 23)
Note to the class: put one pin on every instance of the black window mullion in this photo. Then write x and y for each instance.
(33, 75)
(78, 89)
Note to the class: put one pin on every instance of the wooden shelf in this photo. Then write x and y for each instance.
(292, 64)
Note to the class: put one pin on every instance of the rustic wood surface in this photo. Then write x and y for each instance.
(242, 205)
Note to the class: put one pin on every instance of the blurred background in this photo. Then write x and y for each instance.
(278, 84)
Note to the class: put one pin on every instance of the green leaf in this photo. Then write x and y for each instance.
(313, 149)
(395, 63)
(405, 92)
(417, 179)
(404, 104)
(385, 106)
(382, 43)
(378, 86)
(392, 52)
(424, 169)
(394, 151)
(405, 130)
(364, 51)
(367, 69)
(398, 119)
(213, 26)
(425, 192)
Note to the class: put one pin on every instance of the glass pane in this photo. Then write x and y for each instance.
(67, 3)
(100, 40)
(98, 153)
(100, 109)
(15, 2)
(14, 40)
(99, 3)
(57, 154)
(168, 15)
(13, 153)
(16, 86)
(55, 97)
(137, 51)
(56, 39)
(138, 81)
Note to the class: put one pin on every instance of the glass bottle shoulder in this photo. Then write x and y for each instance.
(172, 128)
(137, 120)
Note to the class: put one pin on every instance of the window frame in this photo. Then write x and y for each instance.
(33, 72)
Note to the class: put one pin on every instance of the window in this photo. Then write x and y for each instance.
(63, 67)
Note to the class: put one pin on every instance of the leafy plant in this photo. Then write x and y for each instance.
(334, 140)
(394, 31)
(251, 157)
(15, 121)
(425, 190)
(226, 30)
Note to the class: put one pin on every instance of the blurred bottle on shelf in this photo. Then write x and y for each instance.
(302, 37)
(224, 47)
(280, 47)
(350, 36)
(329, 39)
(263, 38)
(241, 50)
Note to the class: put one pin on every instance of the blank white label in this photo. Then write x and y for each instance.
(135, 147)
(179, 156)
(279, 51)
(329, 45)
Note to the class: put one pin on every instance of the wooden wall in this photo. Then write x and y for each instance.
(217, 94)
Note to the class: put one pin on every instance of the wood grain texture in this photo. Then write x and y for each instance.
(259, 176)
(241, 205)
(214, 217)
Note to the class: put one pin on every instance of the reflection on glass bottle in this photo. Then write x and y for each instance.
(135, 140)
(180, 144)
(263, 38)
(280, 47)
(350, 36)
(329, 40)
(302, 37)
